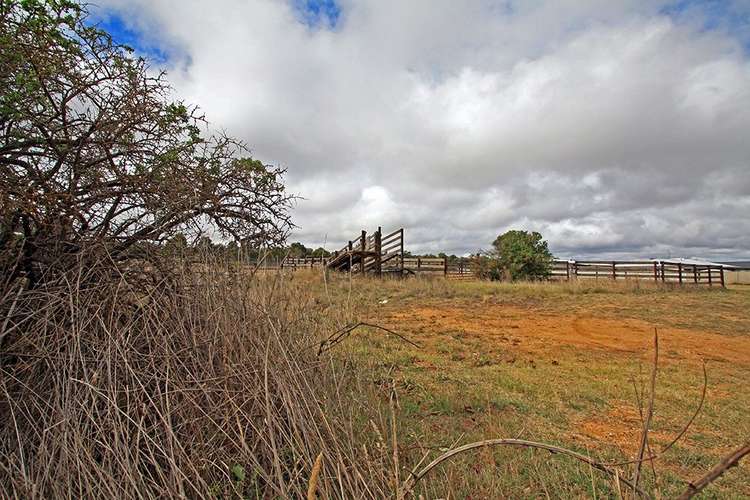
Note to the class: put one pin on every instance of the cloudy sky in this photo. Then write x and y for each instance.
(615, 128)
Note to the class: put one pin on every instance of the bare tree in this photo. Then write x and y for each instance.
(94, 156)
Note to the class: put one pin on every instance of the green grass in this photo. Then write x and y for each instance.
(460, 387)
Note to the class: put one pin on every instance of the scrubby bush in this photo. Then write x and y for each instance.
(99, 165)
(516, 255)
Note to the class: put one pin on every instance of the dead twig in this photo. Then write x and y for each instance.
(725, 464)
(12, 309)
(682, 432)
(394, 442)
(649, 412)
(340, 335)
(409, 483)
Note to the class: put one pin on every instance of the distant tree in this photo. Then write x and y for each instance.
(94, 157)
(298, 250)
(486, 266)
(522, 255)
(321, 252)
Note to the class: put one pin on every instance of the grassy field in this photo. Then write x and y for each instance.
(556, 363)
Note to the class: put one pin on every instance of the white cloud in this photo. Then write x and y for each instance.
(610, 126)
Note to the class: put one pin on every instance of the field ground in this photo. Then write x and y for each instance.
(555, 363)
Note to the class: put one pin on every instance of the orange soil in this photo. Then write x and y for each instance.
(537, 333)
(529, 333)
(621, 426)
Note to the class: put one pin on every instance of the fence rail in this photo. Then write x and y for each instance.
(660, 271)
(377, 253)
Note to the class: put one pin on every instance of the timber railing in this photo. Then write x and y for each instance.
(380, 253)
(303, 262)
(436, 266)
(391, 259)
(374, 253)
(659, 271)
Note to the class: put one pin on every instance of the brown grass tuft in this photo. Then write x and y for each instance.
(208, 386)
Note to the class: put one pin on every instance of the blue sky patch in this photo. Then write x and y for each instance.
(723, 15)
(125, 34)
(318, 13)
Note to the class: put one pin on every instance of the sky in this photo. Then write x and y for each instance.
(616, 129)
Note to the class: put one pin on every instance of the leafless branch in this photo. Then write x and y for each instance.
(649, 412)
(340, 335)
(409, 483)
(682, 432)
(725, 464)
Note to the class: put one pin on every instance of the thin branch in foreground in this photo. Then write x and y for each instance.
(725, 464)
(649, 412)
(341, 335)
(408, 484)
(682, 432)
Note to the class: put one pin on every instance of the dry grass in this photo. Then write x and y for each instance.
(212, 388)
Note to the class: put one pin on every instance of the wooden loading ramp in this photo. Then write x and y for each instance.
(375, 253)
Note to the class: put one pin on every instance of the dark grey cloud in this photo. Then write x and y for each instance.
(615, 128)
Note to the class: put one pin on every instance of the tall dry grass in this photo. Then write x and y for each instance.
(206, 385)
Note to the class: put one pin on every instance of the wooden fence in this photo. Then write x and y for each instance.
(659, 271)
(379, 254)
(374, 253)
(437, 266)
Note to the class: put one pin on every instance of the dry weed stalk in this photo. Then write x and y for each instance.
(195, 387)
(312, 488)
(649, 412)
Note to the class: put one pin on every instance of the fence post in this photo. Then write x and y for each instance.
(419, 263)
(445, 266)
(656, 272)
(662, 271)
(402, 250)
(679, 272)
(378, 264)
(695, 274)
(351, 261)
(722, 276)
(363, 246)
(614, 271)
(710, 277)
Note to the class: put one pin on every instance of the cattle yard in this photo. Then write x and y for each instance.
(378, 254)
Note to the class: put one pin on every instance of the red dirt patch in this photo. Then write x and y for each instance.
(542, 333)
(620, 426)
